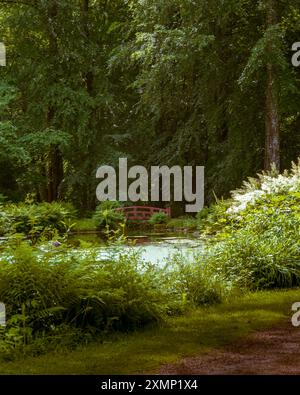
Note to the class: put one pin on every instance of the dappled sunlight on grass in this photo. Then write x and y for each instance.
(194, 333)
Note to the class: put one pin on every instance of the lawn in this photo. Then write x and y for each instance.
(144, 352)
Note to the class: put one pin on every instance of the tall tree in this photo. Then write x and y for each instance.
(272, 145)
(68, 100)
(158, 81)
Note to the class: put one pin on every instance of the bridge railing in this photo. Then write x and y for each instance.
(142, 213)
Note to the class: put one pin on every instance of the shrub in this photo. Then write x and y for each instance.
(36, 219)
(258, 243)
(58, 298)
(44, 293)
(262, 247)
(196, 281)
(220, 217)
(106, 215)
(6, 222)
(215, 218)
(265, 184)
(159, 218)
(183, 222)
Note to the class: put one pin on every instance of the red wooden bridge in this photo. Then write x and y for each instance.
(142, 213)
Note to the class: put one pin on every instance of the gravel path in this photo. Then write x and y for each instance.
(275, 351)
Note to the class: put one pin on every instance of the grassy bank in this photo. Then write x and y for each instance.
(194, 333)
(188, 223)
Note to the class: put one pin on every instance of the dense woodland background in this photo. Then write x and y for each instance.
(183, 82)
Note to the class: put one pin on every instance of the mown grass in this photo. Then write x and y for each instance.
(144, 352)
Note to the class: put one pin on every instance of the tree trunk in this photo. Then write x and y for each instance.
(54, 163)
(272, 144)
(88, 194)
(55, 173)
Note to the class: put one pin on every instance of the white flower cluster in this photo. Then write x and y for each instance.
(241, 201)
(266, 183)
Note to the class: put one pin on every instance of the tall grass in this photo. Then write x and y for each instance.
(50, 298)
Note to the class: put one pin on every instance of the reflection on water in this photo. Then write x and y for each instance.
(156, 249)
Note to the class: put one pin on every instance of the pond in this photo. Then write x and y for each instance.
(153, 248)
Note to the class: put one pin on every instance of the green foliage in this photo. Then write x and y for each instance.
(106, 215)
(35, 220)
(48, 296)
(197, 283)
(214, 218)
(200, 329)
(74, 104)
(267, 259)
(3, 198)
(260, 232)
(159, 218)
(85, 224)
(265, 183)
(221, 121)
(173, 82)
(6, 223)
(183, 222)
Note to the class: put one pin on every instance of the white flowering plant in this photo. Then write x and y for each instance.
(265, 184)
(256, 197)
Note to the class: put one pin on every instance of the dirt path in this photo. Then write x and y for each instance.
(276, 351)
